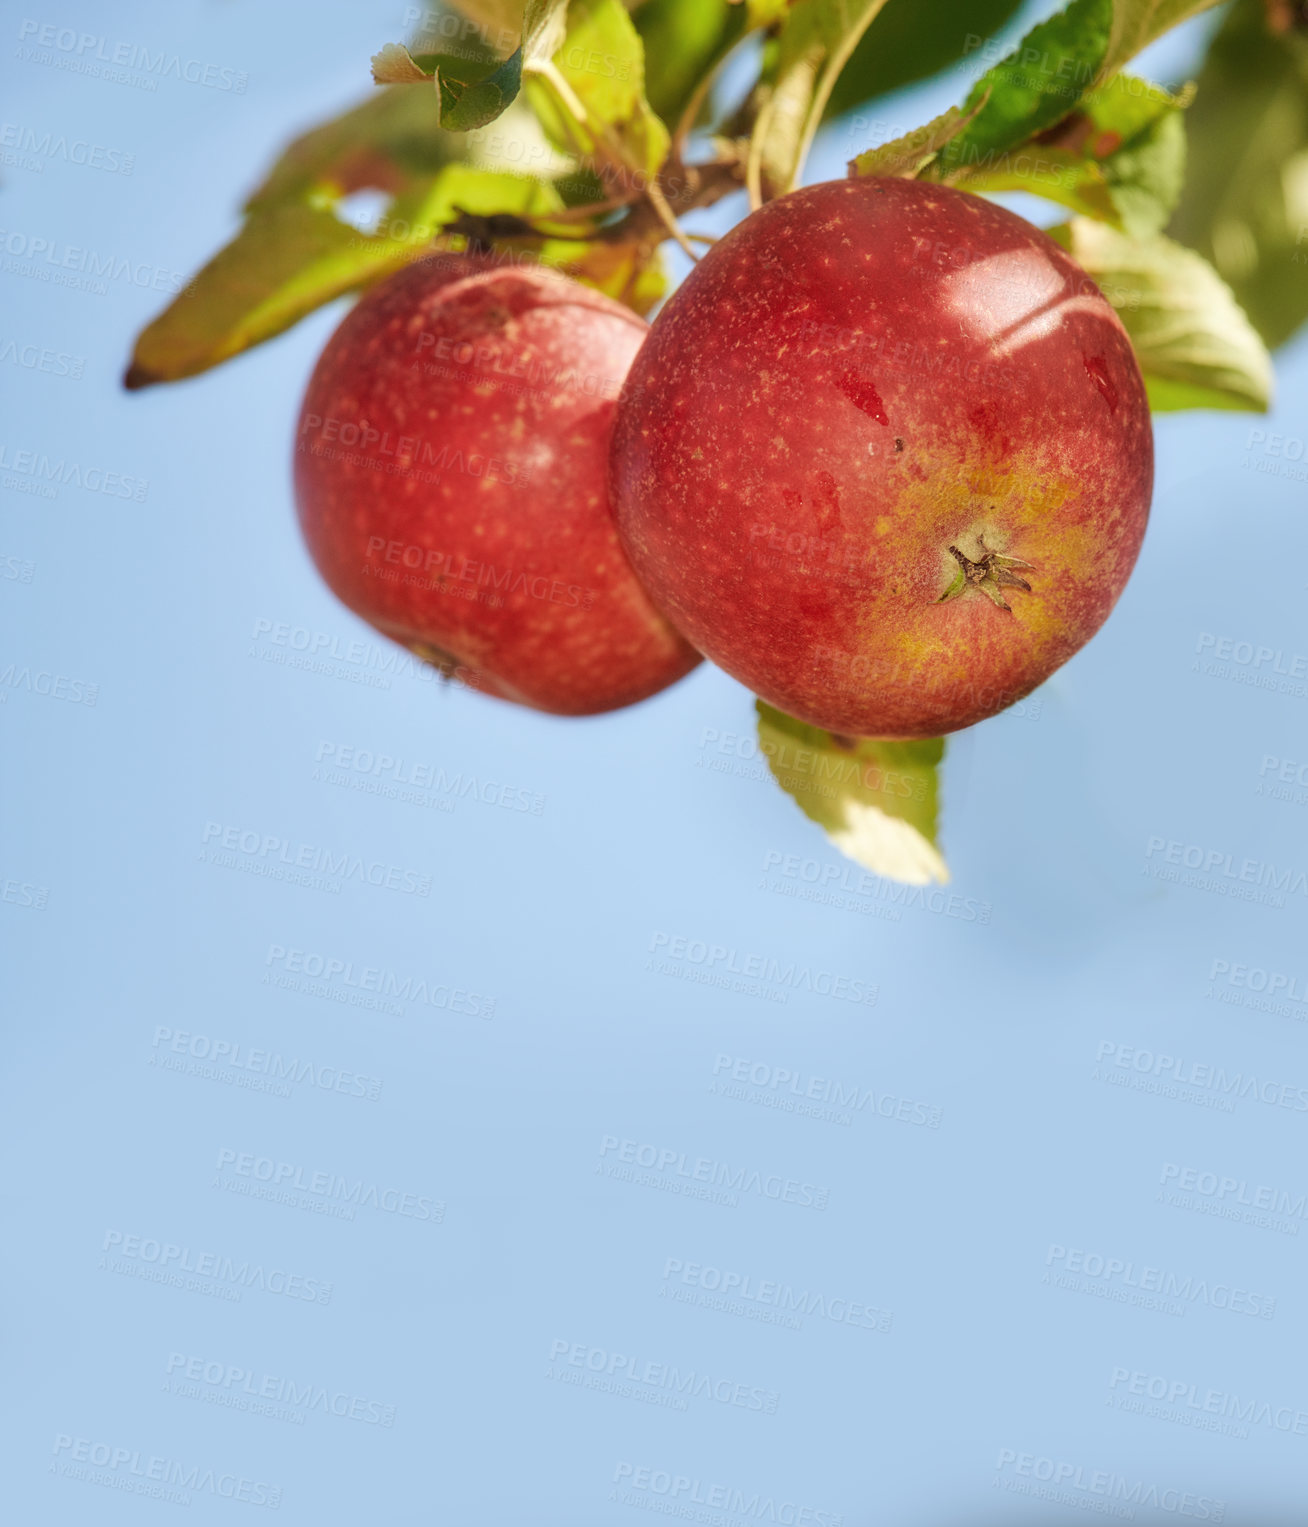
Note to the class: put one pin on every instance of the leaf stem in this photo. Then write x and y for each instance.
(826, 83)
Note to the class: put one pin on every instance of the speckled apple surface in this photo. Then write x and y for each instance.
(451, 479)
(885, 457)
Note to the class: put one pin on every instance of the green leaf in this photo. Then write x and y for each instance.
(1055, 64)
(294, 254)
(904, 46)
(590, 95)
(906, 155)
(1145, 175)
(684, 40)
(470, 93)
(1119, 157)
(1195, 346)
(391, 141)
(473, 102)
(1136, 23)
(876, 801)
(817, 38)
(1245, 203)
(764, 13)
(290, 259)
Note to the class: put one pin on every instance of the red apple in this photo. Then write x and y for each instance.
(451, 477)
(885, 457)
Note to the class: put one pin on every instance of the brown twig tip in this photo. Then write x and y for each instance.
(137, 376)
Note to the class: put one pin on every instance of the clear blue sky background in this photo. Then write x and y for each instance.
(533, 1261)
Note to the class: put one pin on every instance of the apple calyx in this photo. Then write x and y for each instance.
(992, 574)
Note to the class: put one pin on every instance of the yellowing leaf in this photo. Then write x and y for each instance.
(1195, 346)
(907, 155)
(492, 16)
(888, 845)
(1245, 202)
(876, 801)
(394, 65)
(590, 96)
(288, 260)
(544, 27)
(391, 141)
(630, 273)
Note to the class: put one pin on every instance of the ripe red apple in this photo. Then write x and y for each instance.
(885, 457)
(451, 478)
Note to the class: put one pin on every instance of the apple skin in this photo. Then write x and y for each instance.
(451, 480)
(860, 376)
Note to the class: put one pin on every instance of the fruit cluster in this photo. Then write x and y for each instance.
(889, 490)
